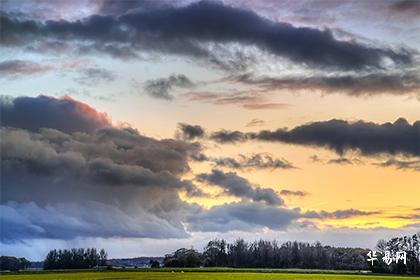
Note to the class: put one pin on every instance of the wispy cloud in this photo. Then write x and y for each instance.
(161, 88)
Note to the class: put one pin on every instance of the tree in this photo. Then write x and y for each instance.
(409, 245)
(215, 253)
(102, 257)
(154, 264)
(13, 263)
(183, 258)
(75, 258)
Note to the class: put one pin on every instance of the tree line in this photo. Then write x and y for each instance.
(13, 263)
(269, 254)
(75, 258)
(408, 244)
(257, 254)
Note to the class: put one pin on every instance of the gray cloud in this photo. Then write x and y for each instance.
(225, 136)
(117, 8)
(293, 193)
(60, 185)
(190, 132)
(406, 8)
(65, 114)
(411, 217)
(257, 161)
(368, 138)
(160, 88)
(354, 84)
(66, 176)
(247, 99)
(68, 220)
(242, 216)
(413, 164)
(255, 122)
(18, 68)
(232, 184)
(112, 170)
(94, 76)
(183, 30)
(61, 182)
(344, 160)
(265, 106)
(339, 214)
(251, 216)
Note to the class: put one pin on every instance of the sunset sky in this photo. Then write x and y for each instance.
(146, 126)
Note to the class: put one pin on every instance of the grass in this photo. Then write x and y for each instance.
(200, 274)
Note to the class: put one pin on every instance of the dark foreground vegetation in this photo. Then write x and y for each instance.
(75, 259)
(13, 263)
(408, 244)
(271, 254)
(263, 255)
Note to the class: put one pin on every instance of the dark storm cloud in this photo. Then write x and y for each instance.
(65, 221)
(183, 30)
(65, 183)
(160, 88)
(368, 138)
(51, 179)
(190, 132)
(64, 114)
(118, 160)
(242, 216)
(232, 184)
(306, 45)
(293, 193)
(251, 216)
(94, 182)
(354, 85)
(255, 161)
(17, 68)
(118, 7)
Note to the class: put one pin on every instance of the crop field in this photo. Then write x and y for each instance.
(191, 275)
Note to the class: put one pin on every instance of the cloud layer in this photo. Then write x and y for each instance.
(183, 30)
(92, 179)
(65, 114)
(232, 184)
(368, 138)
(160, 88)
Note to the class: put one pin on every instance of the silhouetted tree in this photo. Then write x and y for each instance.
(408, 244)
(75, 258)
(154, 264)
(183, 258)
(13, 263)
(269, 254)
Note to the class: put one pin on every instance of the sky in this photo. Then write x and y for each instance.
(145, 126)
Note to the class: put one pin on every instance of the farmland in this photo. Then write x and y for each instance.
(216, 274)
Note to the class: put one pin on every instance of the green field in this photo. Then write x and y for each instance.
(190, 275)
